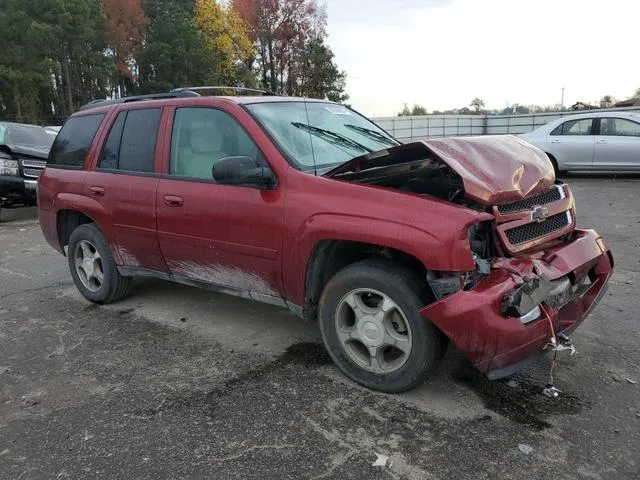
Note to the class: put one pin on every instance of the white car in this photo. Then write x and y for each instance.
(591, 141)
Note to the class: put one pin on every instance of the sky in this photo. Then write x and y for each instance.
(443, 53)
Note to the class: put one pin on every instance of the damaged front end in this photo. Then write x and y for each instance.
(536, 276)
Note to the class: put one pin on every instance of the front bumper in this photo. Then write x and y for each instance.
(497, 343)
(17, 190)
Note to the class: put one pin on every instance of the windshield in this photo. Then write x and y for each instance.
(331, 134)
(29, 135)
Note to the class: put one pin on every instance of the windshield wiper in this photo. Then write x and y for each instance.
(377, 136)
(331, 136)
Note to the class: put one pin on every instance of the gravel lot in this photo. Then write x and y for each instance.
(176, 382)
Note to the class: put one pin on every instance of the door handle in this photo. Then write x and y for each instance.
(602, 142)
(555, 141)
(173, 201)
(96, 191)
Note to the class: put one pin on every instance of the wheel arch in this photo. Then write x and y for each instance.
(329, 256)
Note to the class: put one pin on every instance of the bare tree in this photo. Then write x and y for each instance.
(477, 104)
(607, 101)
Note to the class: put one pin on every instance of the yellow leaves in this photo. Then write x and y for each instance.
(224, 32)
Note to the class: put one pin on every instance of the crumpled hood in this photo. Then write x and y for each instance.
(494, 169)
(29, 150)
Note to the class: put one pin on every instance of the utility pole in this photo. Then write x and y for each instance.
(562, 100)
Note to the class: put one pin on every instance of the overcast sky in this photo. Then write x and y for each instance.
(443, 53)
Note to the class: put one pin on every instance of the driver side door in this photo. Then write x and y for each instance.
(227, 237)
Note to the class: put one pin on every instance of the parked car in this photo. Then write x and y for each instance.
(52, 130)
(591, 141)
(305, 204)
(23, 154)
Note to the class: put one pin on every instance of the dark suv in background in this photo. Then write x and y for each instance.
(23, 154)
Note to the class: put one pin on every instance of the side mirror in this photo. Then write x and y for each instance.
(242, 170)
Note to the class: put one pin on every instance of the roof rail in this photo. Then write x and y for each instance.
(223, 87)
(139, 98)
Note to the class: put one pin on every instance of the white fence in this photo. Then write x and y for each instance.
(426, 126)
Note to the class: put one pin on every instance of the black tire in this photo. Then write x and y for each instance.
(554, 162)
(428, 344)
(114, 286)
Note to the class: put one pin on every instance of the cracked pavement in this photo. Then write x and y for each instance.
(175, 382)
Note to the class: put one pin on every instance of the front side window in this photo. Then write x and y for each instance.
(574, 127)
(72, 143)
(203, 136)
(317, 135)
(619, 127)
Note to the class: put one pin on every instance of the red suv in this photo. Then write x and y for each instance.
(394, 248)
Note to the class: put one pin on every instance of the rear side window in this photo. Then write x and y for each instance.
(138, 144)
(111, 150)
(72, 143)
(131, 143)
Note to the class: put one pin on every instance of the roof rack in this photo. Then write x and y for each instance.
(223, 87)
(138, 98)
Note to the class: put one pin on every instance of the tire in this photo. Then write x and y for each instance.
(113, 286)
(554, 162)
(365, 281)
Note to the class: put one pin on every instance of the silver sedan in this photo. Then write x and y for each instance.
(591, 141)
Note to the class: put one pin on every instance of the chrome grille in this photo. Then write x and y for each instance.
(550, 196)
(33, 163)
(32, 172)
(535, 230)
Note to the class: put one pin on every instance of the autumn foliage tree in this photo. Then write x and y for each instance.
(289, 38)
(226, 35)
(125, 25)
(59, 54)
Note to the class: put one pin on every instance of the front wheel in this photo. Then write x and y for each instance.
(371, 327)
(93, 269)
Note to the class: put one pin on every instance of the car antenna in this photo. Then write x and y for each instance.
(313, 155)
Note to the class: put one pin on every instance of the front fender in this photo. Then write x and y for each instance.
(450, 254)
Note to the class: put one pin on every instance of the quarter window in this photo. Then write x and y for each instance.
(619, 127)
(72, 143)
(203, 136)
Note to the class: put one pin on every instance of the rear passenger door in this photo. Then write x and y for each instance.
(618, 145)
(227, 236)
(572, 144)
(125, 184)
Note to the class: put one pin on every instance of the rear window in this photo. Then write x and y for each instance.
(72, 143)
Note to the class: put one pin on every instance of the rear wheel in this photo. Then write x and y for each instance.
(371, 327)
(92, 267)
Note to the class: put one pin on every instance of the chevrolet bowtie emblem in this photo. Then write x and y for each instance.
(539, 214)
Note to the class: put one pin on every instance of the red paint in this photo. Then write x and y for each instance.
(472, 319)
(162, 223)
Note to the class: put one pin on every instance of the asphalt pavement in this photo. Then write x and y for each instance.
(175, 382)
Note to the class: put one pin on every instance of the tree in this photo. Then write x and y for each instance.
(415, 110)
(226, 36)
(285, 33)
(320, 77)
(175, 53)
(637, 93)
(125, 26)
(607, 101)
(477, 104)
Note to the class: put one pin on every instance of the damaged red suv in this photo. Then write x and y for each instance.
(395, 249)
